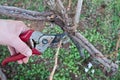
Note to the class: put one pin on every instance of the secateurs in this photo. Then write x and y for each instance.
(37, 41)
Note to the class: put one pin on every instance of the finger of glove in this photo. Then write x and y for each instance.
(11, 50)
(20, 61)
(25, 60)
(21, 47)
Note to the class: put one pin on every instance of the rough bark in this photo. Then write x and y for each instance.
(25, 14)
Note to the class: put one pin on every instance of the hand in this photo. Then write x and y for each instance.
(9, 35)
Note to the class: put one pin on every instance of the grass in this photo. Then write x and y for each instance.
(101, 30)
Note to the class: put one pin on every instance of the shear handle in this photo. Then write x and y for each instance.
(24, 37)
(17, 57)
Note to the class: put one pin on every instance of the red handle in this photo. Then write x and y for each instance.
(24, 37)
(12, 59)
(17, 57)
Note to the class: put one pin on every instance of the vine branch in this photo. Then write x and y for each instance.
(78, 12)
(25, 14)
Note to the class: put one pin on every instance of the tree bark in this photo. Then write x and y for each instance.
(25, 14)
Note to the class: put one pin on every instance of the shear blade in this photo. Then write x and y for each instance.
(57, 38)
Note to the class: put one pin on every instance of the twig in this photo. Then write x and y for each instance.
(77, 15)
(63, 12)
(115, 53)
(118, 41)
(61, 6)
(2, 75)
(56, 60)
(117, 44)
(69, 5)
(50, 3)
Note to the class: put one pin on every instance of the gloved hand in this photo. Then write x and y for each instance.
(9, 35)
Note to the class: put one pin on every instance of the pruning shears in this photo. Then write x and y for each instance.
(37, 41)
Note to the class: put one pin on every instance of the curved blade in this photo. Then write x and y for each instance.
(57, 38)
(40, 41)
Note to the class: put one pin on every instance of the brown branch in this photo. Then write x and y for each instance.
(110, 67)
(61, 6)
(50, 3)
(79, 47)
(24, 14)
(77, 15)
(69, 5)
(64, 14)
(56, 62)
